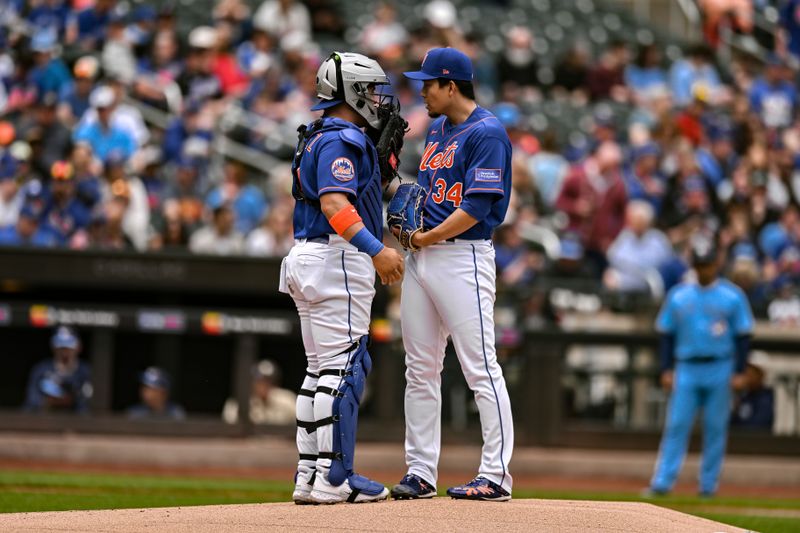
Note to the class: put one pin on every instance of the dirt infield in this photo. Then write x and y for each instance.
(438, 514)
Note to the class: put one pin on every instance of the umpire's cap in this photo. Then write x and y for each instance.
(704, 252)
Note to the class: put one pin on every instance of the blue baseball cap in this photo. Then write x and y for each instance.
(447, 63)
(64, 337)
(325, 104)
(154, 377)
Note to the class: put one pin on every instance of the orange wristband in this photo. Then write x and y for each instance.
(346, 217)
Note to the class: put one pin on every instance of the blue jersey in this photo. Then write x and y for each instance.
(338, 157)
(705, 320)
(473, 157)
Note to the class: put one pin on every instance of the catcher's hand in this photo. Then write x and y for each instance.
(405, 213)
(388, 143)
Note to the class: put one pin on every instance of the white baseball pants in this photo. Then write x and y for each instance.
(449, 289)
(332, 286)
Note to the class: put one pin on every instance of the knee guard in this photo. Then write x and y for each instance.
(345, 410)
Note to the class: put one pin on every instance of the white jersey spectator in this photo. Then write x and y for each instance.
(638, 251)
(281, 17)
(219, 237)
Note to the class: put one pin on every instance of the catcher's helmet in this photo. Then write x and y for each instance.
(347, 77)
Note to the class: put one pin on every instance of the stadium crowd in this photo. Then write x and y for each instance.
(666, 149)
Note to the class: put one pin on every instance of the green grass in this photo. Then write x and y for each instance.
(22, 491)
(39, 491)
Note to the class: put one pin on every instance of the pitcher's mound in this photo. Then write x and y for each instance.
(438, 514)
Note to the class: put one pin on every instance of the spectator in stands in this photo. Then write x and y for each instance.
(158, 69)
(736, 14)
(385, 33)
(517, 64)
(154, 393)
(141, 29)
(129, 192)
(48, 15)
(282, 17)
(185, 191)
(274, 236)
(87, 170)
(694, 70)
(50, 74)
(233, 79)
(103, 135)
(754, 407)
(269, 403)
(220, 237)
(10, 196)
(117, 56)
(62, 383)
(606, 79)
(638, 253)
(784, 309)
(87, 29)
(573, 69)
(593, 198)
(548, 169)
(643, 181)
(27, 231)
(64, 213)
(773, 96)
(198, 82)
(790, 22)
(169, 230)
(75, 102)
(442, 24)
(517, 264)
(247, 200)
(53, 137)
(645, 76)
(717, 159)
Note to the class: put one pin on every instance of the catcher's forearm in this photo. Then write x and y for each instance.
(344, 219)
(456, 224)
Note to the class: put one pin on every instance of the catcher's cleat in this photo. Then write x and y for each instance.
(355, 489)
(479, 488)
(303, 484)
(413, 487)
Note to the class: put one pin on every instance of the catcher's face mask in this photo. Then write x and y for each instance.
(360, 82)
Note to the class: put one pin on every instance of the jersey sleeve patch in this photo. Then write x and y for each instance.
(343, 169)
(490, 175)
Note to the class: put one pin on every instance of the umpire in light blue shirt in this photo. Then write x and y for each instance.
(705, 331)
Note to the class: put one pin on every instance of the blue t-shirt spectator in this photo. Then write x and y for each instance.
(105, 141)
(249, 206)
(774, 102)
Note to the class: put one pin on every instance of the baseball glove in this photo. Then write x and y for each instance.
(405, 212)
(388, 143)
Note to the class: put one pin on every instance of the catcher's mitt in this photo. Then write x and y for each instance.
(405, 212)
(388, 143)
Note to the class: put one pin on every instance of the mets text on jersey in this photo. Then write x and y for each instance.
(443, 159)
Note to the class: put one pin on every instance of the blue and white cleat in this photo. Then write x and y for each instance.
(355, 489)
(479, 488)
(413, 487)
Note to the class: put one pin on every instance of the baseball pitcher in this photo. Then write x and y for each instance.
(446, 221)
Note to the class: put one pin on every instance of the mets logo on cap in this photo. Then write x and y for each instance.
(343, 169)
